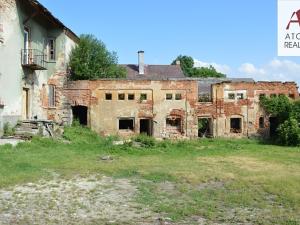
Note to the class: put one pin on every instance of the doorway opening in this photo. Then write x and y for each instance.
(25, 113)
(273, 126)
(205, 128)
(80, 114)
(146, 126)
(236, 125)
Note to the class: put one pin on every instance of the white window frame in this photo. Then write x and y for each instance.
(51, 96)
(50, 50)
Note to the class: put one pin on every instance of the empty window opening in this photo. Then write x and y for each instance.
(204, 97)
(143, 97)
(231, 96)
(273, 95)
(274, 123)
(173, 124)
(130, 96)
(240, 96)
(262, 96)
(80, 114)
(169, 96)
(236, 125)
(178, 97)
(126, 124)
(261, 122)
(204, 127)
(51, 100)
(121, 96)
(108, 96)
(146, 126)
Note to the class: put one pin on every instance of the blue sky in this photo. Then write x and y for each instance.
(237, 37)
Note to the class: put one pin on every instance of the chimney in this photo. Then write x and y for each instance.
(178, 62)
(141, 63)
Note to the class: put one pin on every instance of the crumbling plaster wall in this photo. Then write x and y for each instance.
(222, 109)
(10, 67)
(104, 114)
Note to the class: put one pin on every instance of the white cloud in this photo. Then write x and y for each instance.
(275, 70)
(250, 69)
(222, 68)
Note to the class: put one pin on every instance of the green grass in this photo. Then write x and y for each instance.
(221, 180)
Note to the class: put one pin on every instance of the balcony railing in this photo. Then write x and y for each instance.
(33, 59)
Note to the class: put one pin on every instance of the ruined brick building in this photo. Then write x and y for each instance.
(154, 99)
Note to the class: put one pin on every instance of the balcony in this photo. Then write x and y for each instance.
(33, 59)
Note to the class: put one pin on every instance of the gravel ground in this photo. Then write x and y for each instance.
(76, 201)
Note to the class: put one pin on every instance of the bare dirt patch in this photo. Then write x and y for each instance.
(76, 201)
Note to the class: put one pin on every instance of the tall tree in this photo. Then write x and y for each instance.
(91, 60)
(187, 66)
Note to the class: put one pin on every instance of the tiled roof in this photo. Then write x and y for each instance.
(154, 72)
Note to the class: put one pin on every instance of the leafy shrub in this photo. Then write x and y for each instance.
(289, 132)
(146, 140)
(8, 130)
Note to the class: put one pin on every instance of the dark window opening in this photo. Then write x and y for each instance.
(173, 124)
(130, 96)
(261, 122)
(204, 97)
(169, 96)
(108, 96)
(274, 123)
(146, 126)
(126, 124)
(231, 96)
(143, 97)
(240, 96)
(204, 127)
(273, 95)
(178, 97)
(121, 96)
(236, 125)
(80, 114)
(262, 96)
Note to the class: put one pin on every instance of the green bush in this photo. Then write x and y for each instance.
(146, 140)
(289, 132)
(8, 130)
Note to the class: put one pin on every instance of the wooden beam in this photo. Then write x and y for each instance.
(30, 17)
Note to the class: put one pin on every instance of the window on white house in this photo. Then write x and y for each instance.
(169, 96)
(143, 97)
(231, 96)
(51, 48)
(178, 96)
(51, 96)
(240, 96)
